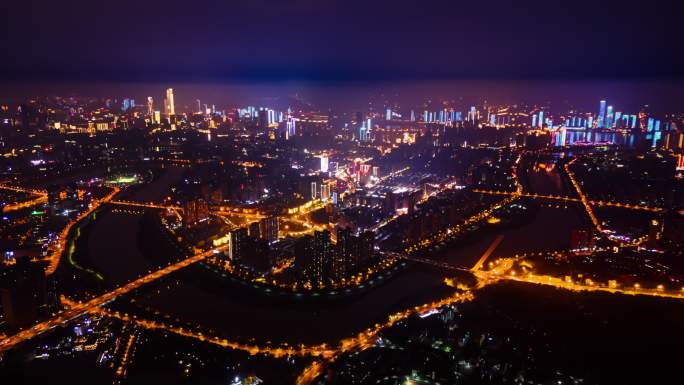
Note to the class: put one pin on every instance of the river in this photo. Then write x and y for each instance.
(200, 299)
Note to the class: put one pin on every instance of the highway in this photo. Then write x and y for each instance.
(25, 204)
(592, 286)
(57, 247)
(454, 230)
(502, 269)
(587, 206)
(218, 209)
(273, 351)
(487, 253)
(427, 261)
(583, 198)
(22, 189)
(571, 199)
(41, 197)
(368, 337)
(84, 307)
(149, 205)
(447, 266)
(482, 215)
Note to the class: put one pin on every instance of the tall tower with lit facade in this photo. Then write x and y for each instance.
(608, 123)
(150, 106)
(602, 114)
(169, 107)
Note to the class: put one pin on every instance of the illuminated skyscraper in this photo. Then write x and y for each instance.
(625, 120)
(541, 119)
(602, 114)
(364, 131)
(169, 106)
(325, 191)
(314, 190)
(126, 105)
(609, 118)
(563, 135)
(150, 106)
(472, 115)
(271, 117)
(388, 114)
(324, 163)
(534, 120)
(290, 126)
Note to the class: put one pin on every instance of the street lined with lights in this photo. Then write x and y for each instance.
(40, 198)
(57, 247)
(84, 307)
(571, 199)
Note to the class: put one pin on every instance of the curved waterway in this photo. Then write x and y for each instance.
(201, 299)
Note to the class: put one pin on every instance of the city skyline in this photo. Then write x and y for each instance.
(403, 213)
(660, 96)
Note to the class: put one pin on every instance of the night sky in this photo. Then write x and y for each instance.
(323, 40)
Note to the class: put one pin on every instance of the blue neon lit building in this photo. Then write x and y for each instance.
(602, 113)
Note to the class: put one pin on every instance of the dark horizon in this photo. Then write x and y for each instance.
(350, 41)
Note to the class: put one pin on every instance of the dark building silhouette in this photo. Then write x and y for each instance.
(582, 239)
(253, 230)
(195, 211)
(353, 253)
(24, 292)
(268, 229)
(263, 119)
(256, 254)
(237, 243)
(673, 228)
(313, 254)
